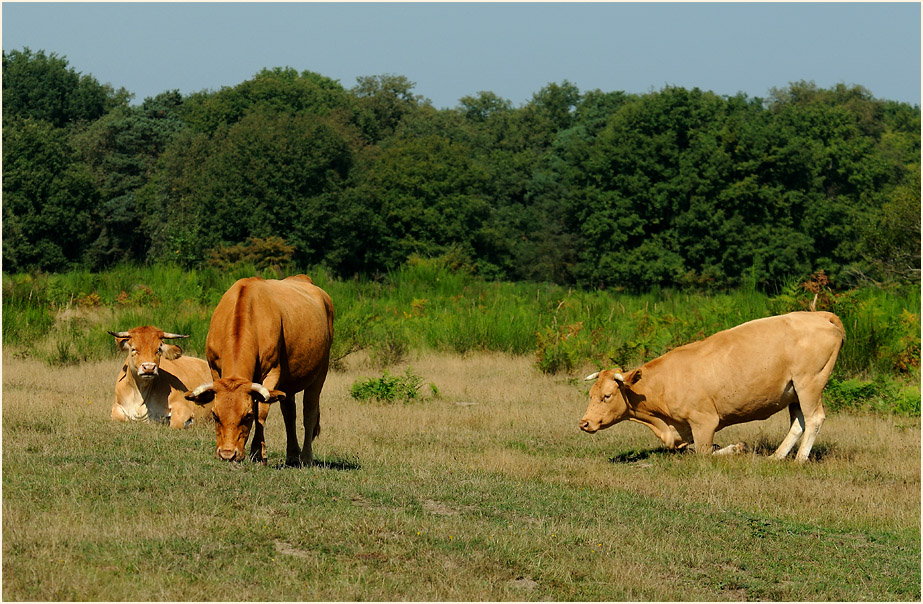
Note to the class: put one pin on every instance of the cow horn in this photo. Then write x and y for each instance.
(202, 388)
(618, 377)
(262, 390)
(592, 376)
(119, 334)
(173, 336)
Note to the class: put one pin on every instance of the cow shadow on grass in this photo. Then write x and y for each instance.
(341, 464)
(819, 452)
(642, 455)
(759, 448)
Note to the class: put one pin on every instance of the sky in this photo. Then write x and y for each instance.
(453, 50)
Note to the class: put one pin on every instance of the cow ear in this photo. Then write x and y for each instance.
(274, 397)
(201, 395)
(171, 352)
(263, 395)
(629, 379)
(121, 340)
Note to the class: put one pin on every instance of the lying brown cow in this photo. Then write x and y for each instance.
(267, 341)
(154, 378)
(738, 375)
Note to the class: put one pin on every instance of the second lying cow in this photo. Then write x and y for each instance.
(155, 376)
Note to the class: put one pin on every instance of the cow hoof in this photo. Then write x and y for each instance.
(293, 462)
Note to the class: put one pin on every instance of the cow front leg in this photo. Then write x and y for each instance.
(118, 413)
(258, 446)
(703, 436)
(292, 452)
(740, 447)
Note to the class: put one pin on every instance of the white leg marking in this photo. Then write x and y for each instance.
(794, 434)
(733, 449)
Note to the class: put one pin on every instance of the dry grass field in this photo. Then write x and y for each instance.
(487, 491)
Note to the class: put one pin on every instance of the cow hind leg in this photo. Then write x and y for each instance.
(813, 419)
(809, 391)
(311, 422)
(292, 451)
(794, 433)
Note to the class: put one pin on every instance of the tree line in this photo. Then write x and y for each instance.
(672, 188)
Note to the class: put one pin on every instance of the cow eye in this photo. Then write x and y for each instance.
(215, 416)
(249, 417)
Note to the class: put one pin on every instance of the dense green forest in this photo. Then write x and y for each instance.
(675, 188)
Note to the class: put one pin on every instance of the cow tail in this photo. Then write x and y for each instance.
(835, 320)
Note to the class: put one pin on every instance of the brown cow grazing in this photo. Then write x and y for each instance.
(738, 375)
(155, 377)
(267, 340)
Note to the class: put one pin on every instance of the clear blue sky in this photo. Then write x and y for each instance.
(512, 49)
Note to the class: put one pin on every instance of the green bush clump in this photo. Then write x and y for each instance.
(880, 396)
(262, 252)
(392, 388)
(557, 349)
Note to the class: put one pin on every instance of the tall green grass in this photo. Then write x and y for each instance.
(63, 318)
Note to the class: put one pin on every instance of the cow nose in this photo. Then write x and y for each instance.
(585, 425)
(148, 367)
(227, 454)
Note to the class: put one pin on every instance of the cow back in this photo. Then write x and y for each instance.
(744, 373)
(262, 326)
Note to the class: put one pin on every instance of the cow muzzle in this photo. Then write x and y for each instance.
(587, 427)
(229, 454)
(147, 370)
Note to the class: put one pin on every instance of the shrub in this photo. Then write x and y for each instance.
(558, 349)
(389, 346)
(350, 335)
(390, 388)
(880, 395)
(262, 252)
(905, 349)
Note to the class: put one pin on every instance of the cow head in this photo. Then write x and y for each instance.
(145, 347)
(236, 405)
(608, 399)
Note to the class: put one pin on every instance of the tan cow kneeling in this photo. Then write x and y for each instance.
(155, 377)
(742, 374)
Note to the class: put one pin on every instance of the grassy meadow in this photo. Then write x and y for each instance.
(487, 491)
(482, 488)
